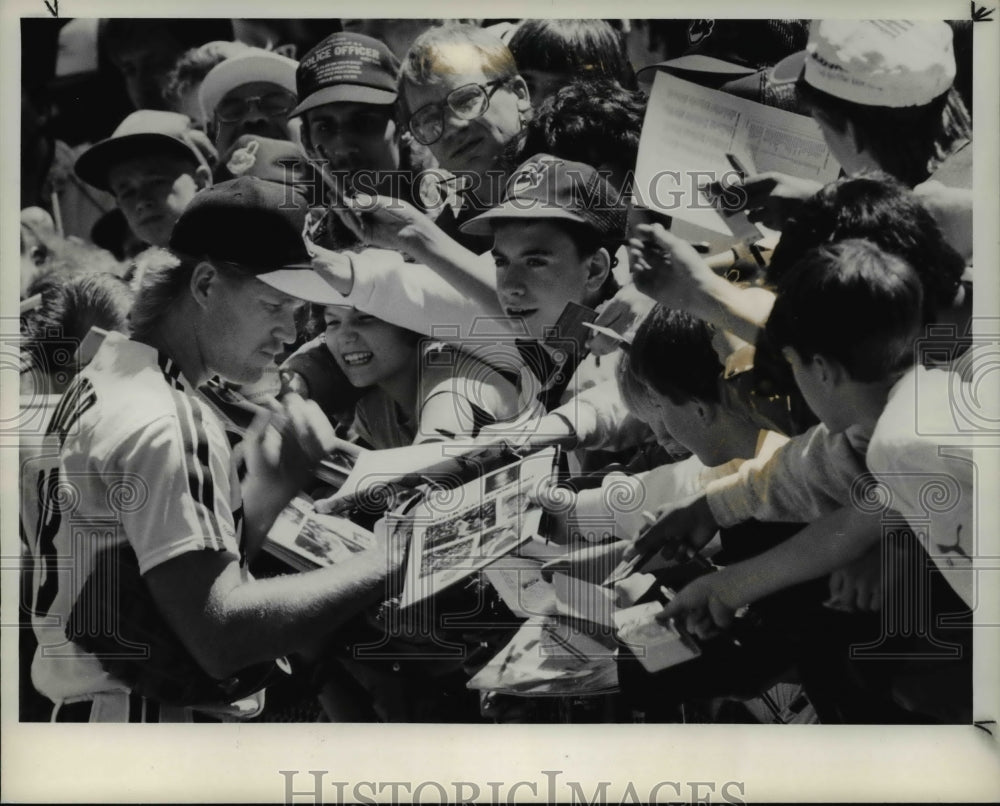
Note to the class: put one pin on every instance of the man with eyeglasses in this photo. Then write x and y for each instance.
(251, 93)
(463, 98)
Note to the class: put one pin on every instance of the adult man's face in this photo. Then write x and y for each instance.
(353, 137)
(245, 325)
(152, 192)
(259, 107)
(471, 145)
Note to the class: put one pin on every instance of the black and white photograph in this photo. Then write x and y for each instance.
(246, 244)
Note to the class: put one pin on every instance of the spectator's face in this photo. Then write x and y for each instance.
(250, 117)
(246, 325)
(690, 424)
(353, 137)
(152, 192)
(814, 377)
(369, 351)
(144, 66)
(844, 145)
(472, 145)
(539, 270)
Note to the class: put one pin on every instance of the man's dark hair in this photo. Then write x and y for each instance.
(908, 142)
(851, 302)
(593, 121)
(584, 48)
(881, 209)
(672, 353)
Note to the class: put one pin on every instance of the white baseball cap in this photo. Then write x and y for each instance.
(891, 63)
(254, 64)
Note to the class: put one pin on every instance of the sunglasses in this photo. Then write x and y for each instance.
(272, 104)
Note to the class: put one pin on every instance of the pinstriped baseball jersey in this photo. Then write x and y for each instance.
(134, 462)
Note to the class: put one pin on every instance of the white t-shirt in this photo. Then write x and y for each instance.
(921, 450)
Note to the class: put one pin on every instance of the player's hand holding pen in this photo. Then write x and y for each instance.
(676, 532)
(286, 442)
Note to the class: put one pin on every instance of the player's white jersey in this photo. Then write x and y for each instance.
(133, 462)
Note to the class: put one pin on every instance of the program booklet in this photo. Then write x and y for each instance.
(305, 539)
(459, 531)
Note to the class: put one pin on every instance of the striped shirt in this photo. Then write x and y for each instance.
(133, 461)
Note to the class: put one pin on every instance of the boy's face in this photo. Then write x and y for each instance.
(471, 145)
(814, 379)
(152, 192)
(353, 137)
(246, 325)
(843, 145)
(253, 119)
(539, 270)
(687, 424)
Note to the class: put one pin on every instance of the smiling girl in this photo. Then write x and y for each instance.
(411, 391)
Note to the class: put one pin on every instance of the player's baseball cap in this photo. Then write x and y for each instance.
(346, 67)
(145, 132)
(253, 64)
(256, 226)
(550, 187)
(890, 63)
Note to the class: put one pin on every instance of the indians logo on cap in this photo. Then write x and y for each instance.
(698, 30)
(531, 175)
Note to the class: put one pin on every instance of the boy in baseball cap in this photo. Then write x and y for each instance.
(882, 92)
(151, 165)
(554, 239)
(347, 86)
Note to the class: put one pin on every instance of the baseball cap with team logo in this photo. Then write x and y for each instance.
(889, 63)
(346, 67)
(550, 187)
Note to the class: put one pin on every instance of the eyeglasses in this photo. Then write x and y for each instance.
(468, 102)
(273, 104)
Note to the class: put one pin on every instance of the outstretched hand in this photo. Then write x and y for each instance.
(667, 268)
(677, 532)
(622, 313)
(702, 607)
(384, 222)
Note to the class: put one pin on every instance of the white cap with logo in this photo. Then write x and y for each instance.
(891, 63)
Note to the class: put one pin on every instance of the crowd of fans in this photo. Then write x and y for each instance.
(290, 234)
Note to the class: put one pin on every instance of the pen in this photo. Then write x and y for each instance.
(738, 165)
